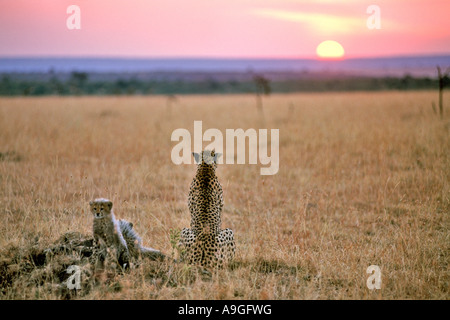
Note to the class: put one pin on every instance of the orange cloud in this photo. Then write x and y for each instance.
(324, 23)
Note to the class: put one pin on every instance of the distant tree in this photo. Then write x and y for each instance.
(444, 80)
(262, 85)
(78, 80)
(79, 77)
(55, 86)
(6, 85)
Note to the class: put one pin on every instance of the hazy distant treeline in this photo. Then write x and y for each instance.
(80, 83)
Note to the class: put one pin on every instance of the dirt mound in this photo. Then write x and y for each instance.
(56, 271)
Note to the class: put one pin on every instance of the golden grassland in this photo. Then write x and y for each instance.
(363, 180)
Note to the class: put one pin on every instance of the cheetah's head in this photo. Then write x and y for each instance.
(207, 157)
(100, 207)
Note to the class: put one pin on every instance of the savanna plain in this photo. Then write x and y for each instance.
(364, 179)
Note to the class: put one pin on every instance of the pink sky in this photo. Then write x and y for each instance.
(222, 28)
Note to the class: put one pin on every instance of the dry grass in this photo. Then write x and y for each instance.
(364, 179)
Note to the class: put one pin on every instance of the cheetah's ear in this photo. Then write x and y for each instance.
(91, 203)
(109, 204)
(196, 157)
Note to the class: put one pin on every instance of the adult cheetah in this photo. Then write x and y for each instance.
(205, 243)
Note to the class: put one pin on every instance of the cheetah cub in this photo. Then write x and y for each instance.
(205, 243)
(118, 235)
(107, 231)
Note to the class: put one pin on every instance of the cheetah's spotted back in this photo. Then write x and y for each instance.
(205, 243)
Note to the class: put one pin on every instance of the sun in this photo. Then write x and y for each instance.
(330, 49)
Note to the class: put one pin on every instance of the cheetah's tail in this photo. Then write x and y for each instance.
(151, 254)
